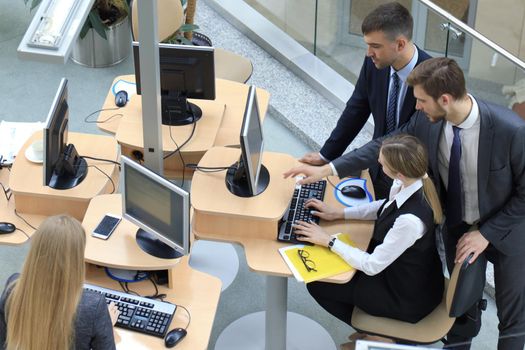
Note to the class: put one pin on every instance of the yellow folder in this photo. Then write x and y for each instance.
(326, 262)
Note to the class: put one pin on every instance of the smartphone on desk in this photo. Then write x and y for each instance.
(106, 226)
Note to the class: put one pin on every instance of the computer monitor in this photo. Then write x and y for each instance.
(158, 207)
(249, 177)
(185, 72)
(63, 167)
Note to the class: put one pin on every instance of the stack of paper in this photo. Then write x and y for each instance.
(326, 262)
(13, 135)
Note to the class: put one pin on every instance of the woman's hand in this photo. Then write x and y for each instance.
(312, 233)
(113, 313)
(323, 210)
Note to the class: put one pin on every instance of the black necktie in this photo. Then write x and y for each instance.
(454, 191)
(392, 104)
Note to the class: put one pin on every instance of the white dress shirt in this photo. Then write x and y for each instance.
(468, 164)
(407, 229)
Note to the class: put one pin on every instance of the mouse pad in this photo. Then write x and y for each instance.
(348, 201)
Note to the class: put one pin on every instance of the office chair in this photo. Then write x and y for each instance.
(462, 292)
(228, 65)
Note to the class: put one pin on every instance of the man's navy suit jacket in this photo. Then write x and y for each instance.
(501, 170)
(370, 96)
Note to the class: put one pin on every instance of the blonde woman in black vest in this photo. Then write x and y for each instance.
(400, 274)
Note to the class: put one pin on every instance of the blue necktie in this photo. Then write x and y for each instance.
(454, 191)
(392, 104)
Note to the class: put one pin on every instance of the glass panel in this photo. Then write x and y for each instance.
(295, 17)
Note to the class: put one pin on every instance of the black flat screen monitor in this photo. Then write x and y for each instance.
(63, 167)
(185, 72)
(158, 207)
(248, 177)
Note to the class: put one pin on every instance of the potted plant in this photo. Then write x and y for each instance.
(105, 38)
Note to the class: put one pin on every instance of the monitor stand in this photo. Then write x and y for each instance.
(238, 183)
(176, 110)
(70, 170)
(153, 246)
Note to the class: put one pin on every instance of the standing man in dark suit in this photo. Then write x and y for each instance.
(381, 88)
(477, 160)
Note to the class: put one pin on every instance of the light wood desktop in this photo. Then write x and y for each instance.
(252, 222)
(196, 291)
(219, 126)
(32, 197)
(7, 214)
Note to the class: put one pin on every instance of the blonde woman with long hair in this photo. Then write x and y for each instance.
(45, 307)
(400, 274)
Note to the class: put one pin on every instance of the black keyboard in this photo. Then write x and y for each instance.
(137, 313)
(297, 211)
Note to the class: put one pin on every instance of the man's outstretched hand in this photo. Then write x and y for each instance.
(311, 173)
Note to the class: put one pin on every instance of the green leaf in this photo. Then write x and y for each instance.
(188, 28)
(34, 4)
(97, 24)
(185, 41)
(85, 28)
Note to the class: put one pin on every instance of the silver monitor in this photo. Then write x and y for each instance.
(248, 177)
(160, 208)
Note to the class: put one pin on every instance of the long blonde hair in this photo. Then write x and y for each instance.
(41, 307)
(406, 154)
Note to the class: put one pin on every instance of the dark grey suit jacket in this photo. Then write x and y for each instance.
(501, 170)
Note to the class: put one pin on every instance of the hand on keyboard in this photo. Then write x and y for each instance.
(311, 232)
(113, 313)
(324, 211)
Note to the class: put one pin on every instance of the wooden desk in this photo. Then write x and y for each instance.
(252, 222)
(32, 197)
(219, 126)
(7, 213)
(196, 291)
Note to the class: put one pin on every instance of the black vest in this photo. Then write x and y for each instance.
(412, 286)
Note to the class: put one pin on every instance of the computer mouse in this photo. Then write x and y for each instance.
(121, 98)
(174, 337)
(7, 227)
(353, 191)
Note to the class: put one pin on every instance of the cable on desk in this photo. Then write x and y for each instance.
(208, 169)
(178, 149)
(109, 177)
(24, 220)
(103, 160)
(187, 312)
(331, 183)
(105, 120)
(6, 192)
(24, 232)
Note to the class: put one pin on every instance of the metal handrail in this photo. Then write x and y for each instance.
(474, 33)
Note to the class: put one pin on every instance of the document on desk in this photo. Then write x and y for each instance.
(315, 262)
(12, 137)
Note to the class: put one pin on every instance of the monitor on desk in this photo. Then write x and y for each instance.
(158, 207)
(185, 72)
(63, 167)
(249, 177)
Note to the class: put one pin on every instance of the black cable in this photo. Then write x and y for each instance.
(24, 220)
(331, 183)
(103, 160)
(24, 232)
(189, 315)
(109, 177)
(105, 120)
(180, 154)
(208, 169)
(6, 191)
